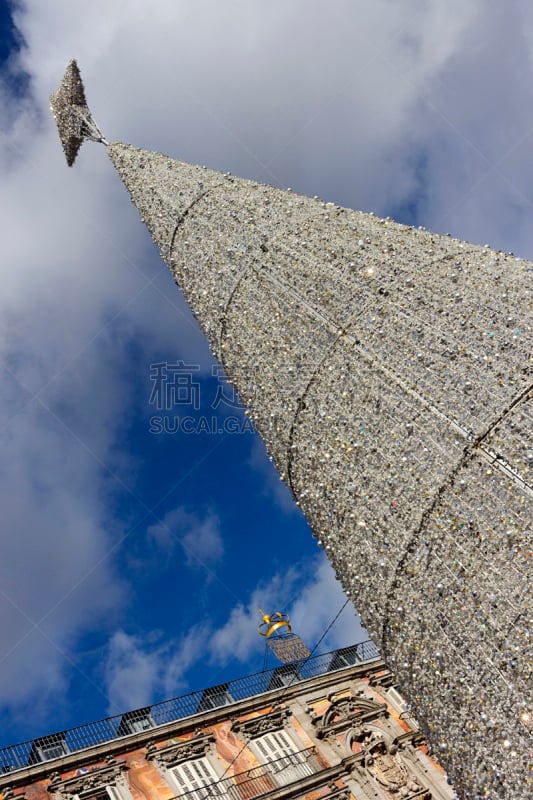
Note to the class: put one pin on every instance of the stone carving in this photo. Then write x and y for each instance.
(258, 726)
(187, 750)
(384, 762)
(345, 712)
(8, 794)
(91, 782)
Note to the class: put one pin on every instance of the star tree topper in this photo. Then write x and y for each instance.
(73, 117)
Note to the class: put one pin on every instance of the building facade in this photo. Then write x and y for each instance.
(334, 727)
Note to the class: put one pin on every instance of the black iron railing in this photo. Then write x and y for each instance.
(259, 780)
(55, 745)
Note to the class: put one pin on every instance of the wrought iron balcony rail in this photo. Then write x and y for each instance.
(259, 780)
(56, 745)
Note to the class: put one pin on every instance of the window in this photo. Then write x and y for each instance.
(285, 762)
(215, 697)
(102, 793)
(190, 767)
(346, 657)
(139, 725)
(48, 747)
(53, 751)
(195, 777)
(135, 722)
(101, 783)
(285, 675)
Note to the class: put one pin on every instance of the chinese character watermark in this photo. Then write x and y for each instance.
(225, 394)
(176, 387)
(173, 385)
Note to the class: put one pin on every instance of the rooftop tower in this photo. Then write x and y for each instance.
(388, 370)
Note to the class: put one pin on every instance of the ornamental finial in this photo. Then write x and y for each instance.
(272, 623)
(74, 120)
(286, 645)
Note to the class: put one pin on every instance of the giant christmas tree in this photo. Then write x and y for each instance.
(388, 371)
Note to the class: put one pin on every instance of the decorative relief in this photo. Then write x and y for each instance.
(91, 782)
(258, 726)
(175, 753)
(385, 763)
(409, 741)
(347, 711)
(7, 793)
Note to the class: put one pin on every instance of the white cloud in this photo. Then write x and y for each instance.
(140, 670)
(198, 535)
(182, 658)
(373, 105)
(132, 672)
(312, 597)
(238, 638)
(317, 606)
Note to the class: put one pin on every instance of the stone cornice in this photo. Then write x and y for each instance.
(175, 753)
(89, 782)
(386, 679)
(258, 726)
(415, 738)
(8, 794)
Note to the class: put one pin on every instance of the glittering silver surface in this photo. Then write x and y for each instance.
(74, 120)
(388, 371)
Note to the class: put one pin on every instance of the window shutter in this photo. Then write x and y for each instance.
(114, 793)
(281, 756)
(193, 777)
(109, 792)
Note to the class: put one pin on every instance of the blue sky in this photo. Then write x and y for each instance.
(132, 563)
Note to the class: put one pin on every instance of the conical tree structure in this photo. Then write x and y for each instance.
(388, 371)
